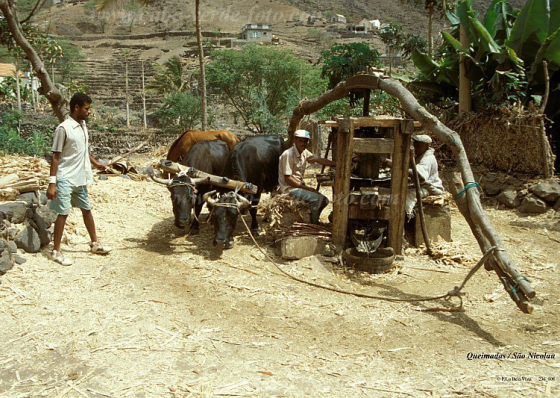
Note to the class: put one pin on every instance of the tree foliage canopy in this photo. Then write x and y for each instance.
(505, 53)
(262, 83)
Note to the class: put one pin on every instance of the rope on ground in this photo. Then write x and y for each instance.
(456, 292)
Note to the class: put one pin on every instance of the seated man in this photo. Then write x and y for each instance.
(427, 168)
(291, 169)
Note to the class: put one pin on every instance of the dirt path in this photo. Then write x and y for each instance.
(168, 315)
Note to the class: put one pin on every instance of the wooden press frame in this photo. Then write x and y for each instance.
(347, 145)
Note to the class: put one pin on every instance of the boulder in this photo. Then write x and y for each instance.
(47, 215)
(509, 198)
(6, 262)
(31, 198)
(546, 190)
(532, 204)
(14, 210)
(492, 188)
(293, 248)
(19, 259)
(28, 239)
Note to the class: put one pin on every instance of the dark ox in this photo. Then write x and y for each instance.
(254, 160)
(186, 192)
(185, 142)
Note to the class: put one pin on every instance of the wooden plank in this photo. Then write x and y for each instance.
(371, 122)
(342, 183)
(374, 145)
(380, 213)
(399, 184)
(171, 167)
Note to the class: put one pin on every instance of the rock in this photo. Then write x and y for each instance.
(19, 259)
(29, 213)
(557, 205)
(546, 190)
(514, 182)
(14, 210)
(509, 198)
(40, 221)
(492, 188)
(293, 248)
(10, 233)
(45, 237)
(28, 240)
(532, 204)
(47, 215)
(31, 198)
(6, 262)
(13, 246)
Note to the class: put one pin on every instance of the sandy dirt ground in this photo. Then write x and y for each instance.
(167, 315)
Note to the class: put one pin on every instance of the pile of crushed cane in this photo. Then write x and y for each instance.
(20, 174)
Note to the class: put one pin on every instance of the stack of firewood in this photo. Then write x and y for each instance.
(19, 174)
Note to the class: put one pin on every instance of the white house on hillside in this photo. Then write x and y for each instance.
(257, 33)
(338, 18)
(370, 24)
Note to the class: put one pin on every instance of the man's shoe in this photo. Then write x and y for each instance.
(58, 257)
(96, 248)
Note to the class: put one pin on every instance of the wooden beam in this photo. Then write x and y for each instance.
(375, 121)
(342, 182)
(374, 145)
(172, 167)
(399, 184)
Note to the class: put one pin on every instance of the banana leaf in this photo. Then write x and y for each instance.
(493, 15)
(531, 26)
(550, 52)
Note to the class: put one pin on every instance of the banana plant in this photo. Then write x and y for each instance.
(505, 53)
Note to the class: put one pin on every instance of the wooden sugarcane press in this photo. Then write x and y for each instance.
(368, 194)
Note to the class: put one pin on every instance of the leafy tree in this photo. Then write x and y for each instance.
(11, 140)
(14, 33)
(8, 89)
(170, 77)
(344, 60)
(66, 65)
(496, 72)
(180, 111)
(262, 83)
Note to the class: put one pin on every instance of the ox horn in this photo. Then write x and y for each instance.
(244, 202)
(160, 180)
(207, 197)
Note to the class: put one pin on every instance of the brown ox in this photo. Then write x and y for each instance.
(190, 137)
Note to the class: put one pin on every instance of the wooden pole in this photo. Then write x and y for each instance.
(464, 82)
(126, 90)
(345, 146)
(399, 184)
(144, 97)
(18, 88)
(418, 190)
(171, 167)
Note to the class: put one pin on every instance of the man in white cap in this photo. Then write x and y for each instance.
(291, 169)
(427, 168)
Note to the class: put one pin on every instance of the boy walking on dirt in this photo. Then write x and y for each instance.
(69, 174)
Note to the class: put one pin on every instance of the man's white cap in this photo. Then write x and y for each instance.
(302, 134)
(422, 138)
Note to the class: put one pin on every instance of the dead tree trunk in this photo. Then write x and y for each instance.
(480, 225)
(48, 89)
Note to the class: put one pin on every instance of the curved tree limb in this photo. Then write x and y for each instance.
(479, 223)
(48, 89)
